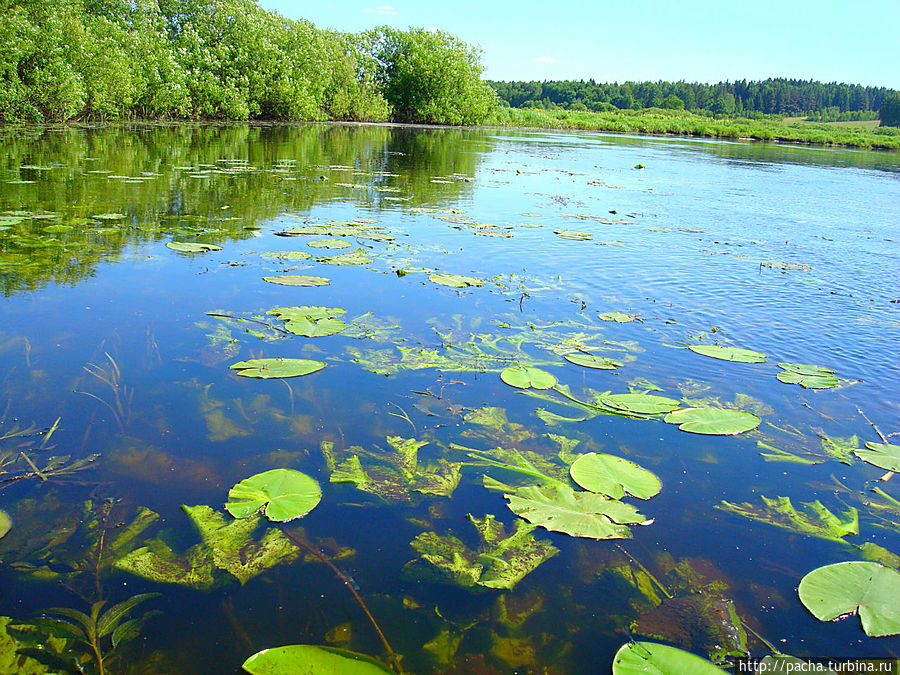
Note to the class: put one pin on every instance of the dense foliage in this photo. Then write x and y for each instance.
(889, 112)
(773, 96)
(223, 59)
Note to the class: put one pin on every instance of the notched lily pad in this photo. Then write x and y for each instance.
(329, 243)
(191, 247)
(300, 659)
(714, 421)
(286, 495)
(614, 476)
(729, 353)
(872, 590)
(636, 658)
(642, 404)
(593, 361)
(455, 280)
(807, 376)
(618, 317)
(528, 377)
(277, 367)
(501, 560)
(883, 455)
(310, 321)
(5, 523)
(297, 280)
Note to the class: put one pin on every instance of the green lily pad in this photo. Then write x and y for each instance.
(287, 255)
(5, 523)
(310, 321)
(833, 591)
(527, 377)
(277, 367)
(191, 246)
(580, 514)
(297, 280)
(592, 361)
(618, 317)
(807, 376)
(574, 235)
(729, 353)
(649, 658)
(883, 455)
(329, 243)
(614, 476)
(306, 659)
(286, 494)
(643, 404)
(455, 280)
(715, 421)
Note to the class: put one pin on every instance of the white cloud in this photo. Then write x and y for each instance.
(384, 10)
(545, 59)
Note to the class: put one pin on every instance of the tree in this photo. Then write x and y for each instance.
(672, 102)
(889, 112)
(430, 76)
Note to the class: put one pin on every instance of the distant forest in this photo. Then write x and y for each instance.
(826, 102)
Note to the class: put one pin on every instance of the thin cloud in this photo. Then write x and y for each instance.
(384, 10)
(545, 59)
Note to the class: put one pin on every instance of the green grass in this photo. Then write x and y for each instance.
(664, 122)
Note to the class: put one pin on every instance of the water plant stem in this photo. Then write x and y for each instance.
(646, 571)
(349, 584)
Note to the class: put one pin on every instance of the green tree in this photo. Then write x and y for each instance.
(672, 102)
(889, 112)
(429, 76)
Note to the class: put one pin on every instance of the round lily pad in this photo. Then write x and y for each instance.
(528, 377)
(297, 280)
(873, 590)
(649, 658)
(883, 455)
(714, 421)
(455, 280)
(329, 243)
(614, 476)
(272, 368)
(807, 375)
(286, 494)
(298, 659)
(592, 361)
(191, 246)
(729, 353)
(618, 317)
(643, 404)
(5, 523)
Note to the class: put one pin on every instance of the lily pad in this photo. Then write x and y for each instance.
(297, 280)
(834, 591)
(614, 476)
(618, 317)
(729, 353)
(277, 367)
(528, 377)
(649, 658)
(580, 514)
(310, 321)
(286, 494)
(807, 376)
(455, 280)
(715, 421)
(5, 523)
(574, 235)
(643, 404)
(883, 455)
(305, 659)
(191, 246)
(592, 361)
(329, 243)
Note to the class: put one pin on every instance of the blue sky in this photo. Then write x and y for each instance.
(694, 40)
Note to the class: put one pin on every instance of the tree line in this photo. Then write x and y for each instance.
(775, 96)
(225, 59)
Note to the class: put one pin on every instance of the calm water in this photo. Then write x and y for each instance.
(109, 330)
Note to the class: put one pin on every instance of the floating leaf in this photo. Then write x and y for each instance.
(574, 235)
(455, 280)
(286, 494)
(580, 514)
(807, 376)
(328, 243)
(618, 317)
(716, 421)
(833, 591)
(310, 321)
(277, 367)
(729, 353)
(353, 258)
(649, 658)
(614, 476)
(191, 247)
(592, 361)
(642, 404)
(5, 523)
(287, 255)
(528, 377)
(883, 455)
(297, 280)
(500, 562)
(814, 520)
(300, 659)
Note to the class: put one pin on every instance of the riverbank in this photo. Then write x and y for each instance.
(667, 122)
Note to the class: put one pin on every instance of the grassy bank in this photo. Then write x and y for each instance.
(662, 122)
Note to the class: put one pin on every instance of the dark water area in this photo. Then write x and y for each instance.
(790, 251)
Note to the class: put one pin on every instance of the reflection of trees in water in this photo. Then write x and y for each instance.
(201, 182)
